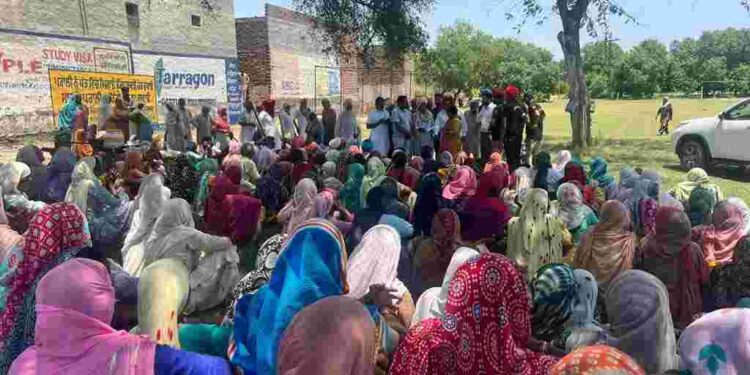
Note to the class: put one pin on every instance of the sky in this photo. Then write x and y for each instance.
(665, 20)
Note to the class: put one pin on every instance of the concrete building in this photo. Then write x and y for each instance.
(168, 39)
(282, 56)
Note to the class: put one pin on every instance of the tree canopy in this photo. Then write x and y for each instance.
(650, 67)
(394, 25)
(465, 58)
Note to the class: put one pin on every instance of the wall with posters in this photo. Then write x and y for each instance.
(92, 85)
(25, 103)
(297, 57)
(199, 80)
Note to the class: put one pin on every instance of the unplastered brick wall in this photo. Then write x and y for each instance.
(283, 56)
(254, 54)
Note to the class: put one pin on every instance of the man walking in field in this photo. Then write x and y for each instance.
(664, 114)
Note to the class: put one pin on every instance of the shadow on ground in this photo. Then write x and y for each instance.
(655, 154)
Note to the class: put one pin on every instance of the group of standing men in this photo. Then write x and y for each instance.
(502, 119)
(498, 121)
(260, 123)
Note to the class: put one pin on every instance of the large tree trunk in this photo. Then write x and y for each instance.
(578, 105)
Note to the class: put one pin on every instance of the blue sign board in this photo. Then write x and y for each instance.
(234, 90)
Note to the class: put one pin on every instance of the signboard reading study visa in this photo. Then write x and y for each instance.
(91, 86)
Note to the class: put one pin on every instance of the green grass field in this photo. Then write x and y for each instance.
(625, 135)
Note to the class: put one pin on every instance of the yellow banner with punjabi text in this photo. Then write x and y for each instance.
(92, 85)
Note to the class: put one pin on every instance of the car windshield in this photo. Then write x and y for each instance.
(739, 111)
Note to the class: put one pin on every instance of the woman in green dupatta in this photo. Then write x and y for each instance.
(207, 168)
(375, 175)
(696, 177)
(700, 206)
(576, 215)
(350, 193)
(68, 113)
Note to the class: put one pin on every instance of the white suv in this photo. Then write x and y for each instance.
(723, 139)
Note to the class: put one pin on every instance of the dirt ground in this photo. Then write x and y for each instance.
(9, 147)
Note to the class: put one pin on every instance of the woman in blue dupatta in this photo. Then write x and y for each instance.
(601, 182)
(33, 186)
(429, 201)
(59, 174)
(622, 192)
(107, 214)
(598, 173)
(311, 266)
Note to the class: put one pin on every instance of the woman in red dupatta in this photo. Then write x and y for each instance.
(485, 329)
(574, 173)
(485, 214)
(244, 214)
(719, 238)
(678, 262)
(56, 234)
(301, 165)
(402, 172)
(225, 184)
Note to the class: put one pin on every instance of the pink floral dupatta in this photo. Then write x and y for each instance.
(719, 238)
(463, 185)
(75, 303)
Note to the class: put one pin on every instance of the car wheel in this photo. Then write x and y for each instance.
(692, 155)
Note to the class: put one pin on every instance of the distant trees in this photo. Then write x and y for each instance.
(651, 67)
(465, 58)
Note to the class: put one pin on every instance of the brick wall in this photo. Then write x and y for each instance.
(255, 56)
(282, 54)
